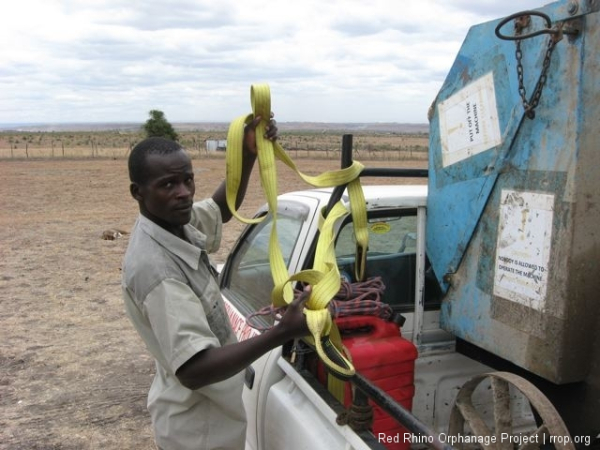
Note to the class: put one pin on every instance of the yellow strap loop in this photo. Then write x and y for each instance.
(324, 277)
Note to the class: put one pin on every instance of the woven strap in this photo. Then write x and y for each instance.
(324, 277)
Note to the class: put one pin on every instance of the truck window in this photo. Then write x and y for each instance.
(250, 282)
(387, 235)
(391, 254)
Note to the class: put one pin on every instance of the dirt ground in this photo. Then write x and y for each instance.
(73, 372)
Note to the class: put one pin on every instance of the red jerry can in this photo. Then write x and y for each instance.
(384, 357)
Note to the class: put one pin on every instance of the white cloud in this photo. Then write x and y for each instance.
(335, 61)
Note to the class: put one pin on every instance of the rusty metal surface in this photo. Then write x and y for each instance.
(466, 417)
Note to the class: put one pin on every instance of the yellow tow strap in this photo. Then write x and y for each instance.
(324, 277)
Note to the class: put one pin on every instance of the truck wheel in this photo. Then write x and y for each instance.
(489, 423)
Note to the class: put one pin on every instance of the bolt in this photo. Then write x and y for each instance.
(572, 7)
(448, 278)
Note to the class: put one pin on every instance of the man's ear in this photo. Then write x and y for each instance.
(135, 189)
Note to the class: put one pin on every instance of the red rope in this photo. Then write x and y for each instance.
(360, 298)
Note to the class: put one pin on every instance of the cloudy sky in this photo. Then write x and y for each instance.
(325, 60)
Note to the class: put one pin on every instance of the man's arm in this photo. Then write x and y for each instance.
(249, 157)
(219, 363)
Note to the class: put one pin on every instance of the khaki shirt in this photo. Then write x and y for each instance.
(174, 302)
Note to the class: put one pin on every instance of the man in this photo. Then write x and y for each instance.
(173, 299)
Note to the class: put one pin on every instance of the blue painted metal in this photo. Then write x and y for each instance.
(469, 183)
(552, 156)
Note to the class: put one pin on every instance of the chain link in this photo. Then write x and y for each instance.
(532, 103)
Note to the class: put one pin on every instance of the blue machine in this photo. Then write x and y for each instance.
(513, 227)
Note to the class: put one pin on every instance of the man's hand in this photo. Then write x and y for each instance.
(250, 133)
(293, 320)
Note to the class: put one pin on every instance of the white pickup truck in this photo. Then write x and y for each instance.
(287, 406)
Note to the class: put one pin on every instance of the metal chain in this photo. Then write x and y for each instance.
(532, 103)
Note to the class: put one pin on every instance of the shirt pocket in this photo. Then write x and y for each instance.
(214, 307)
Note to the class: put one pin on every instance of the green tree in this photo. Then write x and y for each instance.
(158, 125)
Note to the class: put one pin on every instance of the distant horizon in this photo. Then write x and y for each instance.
(125, 122)
(400, 127)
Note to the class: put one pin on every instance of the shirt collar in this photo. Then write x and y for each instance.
(189, 253)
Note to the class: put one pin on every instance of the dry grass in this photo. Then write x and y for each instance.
(74, 373)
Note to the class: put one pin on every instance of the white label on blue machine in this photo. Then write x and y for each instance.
(523, 247)
(469, 121)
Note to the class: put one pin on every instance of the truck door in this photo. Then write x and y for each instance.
(246, 285)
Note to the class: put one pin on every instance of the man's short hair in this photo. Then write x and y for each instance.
(139, 154)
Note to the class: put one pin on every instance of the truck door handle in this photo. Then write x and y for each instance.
(249, 377)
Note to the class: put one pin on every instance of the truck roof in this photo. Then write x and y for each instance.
(376, 196)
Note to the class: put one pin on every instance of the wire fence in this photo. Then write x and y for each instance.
(123, 153)
(117, 146)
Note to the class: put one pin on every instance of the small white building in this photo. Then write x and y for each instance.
(216, 145)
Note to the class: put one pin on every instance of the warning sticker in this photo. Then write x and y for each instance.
(469, 121)
(523, 247)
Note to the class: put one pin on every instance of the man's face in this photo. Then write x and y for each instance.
(167, 195)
